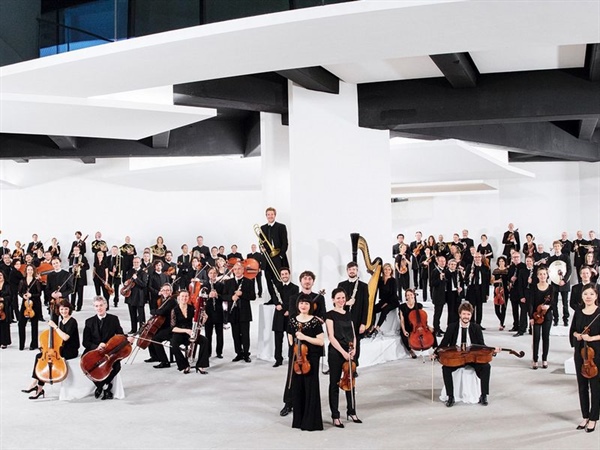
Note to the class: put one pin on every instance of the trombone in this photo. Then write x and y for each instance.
(264, 244)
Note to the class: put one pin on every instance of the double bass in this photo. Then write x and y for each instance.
(51, 367)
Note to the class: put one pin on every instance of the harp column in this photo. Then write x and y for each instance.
(336, 177)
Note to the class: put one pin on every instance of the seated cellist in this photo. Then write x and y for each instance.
(464, 332)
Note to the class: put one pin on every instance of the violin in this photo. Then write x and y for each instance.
(421, 338)
(29, 313)
(127, 287)
(170, 271)
(348, 380)
(301, 363)
(51, 367)
(588, 369)
(2, 313)
(539, 314)
(97, 364)
(475, 354)
(499, 295)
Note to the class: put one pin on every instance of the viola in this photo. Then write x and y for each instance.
(348, 380)
(421, 338)
(588, 369)
(51, 367)
(97, 364)
(127, 287)
(170, 271)
(499, 295)
(28, 313)
(475, 354)
(2, 313)
(539, 315)
(301, 363)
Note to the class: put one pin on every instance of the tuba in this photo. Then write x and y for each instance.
(373, 268)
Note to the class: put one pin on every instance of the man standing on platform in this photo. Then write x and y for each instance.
(563, 286)
(79, 266)
(137, 298)
(277, 237)
(579, 252)
(511, 240)
(357, 293)
(478, 282)
(286, 290)
(517, 276)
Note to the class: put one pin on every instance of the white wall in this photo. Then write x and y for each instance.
(545, 206)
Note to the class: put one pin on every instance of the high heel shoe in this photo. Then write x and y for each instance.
(534, 365)
(186, 370)
(544, 364)
(354, 418)
(582, 427)
(339, 423)
(588, 429)
(38, 395)
(27, 391)
(202, 371)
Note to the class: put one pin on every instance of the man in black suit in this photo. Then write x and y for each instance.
(416, 248)
(357, 293)
(5, 250)
(35, 245)
(79, 266)
(438, 292)
(234, 253)
(59, 285)
(202, 249)
(465, 333)
(78, 242)
(137, 298)
(563, 287)
(115, 271)
(255, 254)
(97, 332)
(466, 240)
(511, 240)
(478, 286)
(276, 235)
(281, 315)
(239, 291)
(215, 313)
(579, 252)
(517, 285)
(567, 245)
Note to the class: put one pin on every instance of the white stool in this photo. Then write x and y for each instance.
(77, 386)
(467, 386)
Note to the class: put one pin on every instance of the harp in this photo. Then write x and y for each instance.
(373, 268)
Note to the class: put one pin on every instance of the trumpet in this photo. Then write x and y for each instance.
(264, 244)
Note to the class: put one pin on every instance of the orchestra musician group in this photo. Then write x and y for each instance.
(456, 275)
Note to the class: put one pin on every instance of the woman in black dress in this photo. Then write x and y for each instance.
(402, 263)
(405, 308)
(486, 250)
(388, 297)
(592, 264)
(69, 333)
(342, 344)
(306, 395)
(542, 295)
(588, 320)
(14, 280)
(5, 315)
(101, 274)
(30, 290)
(500, 280)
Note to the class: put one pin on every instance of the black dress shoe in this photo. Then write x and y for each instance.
(482, 327)
(556, 323)
(285, 411)
(220, 356)
(518, 334)
(450, 401)
(277, 364)
(579, 427)
(108, 395)
(237, 358)
(247, 359)
(513, 329)
(587, 428)
(150, 360)
(483, 400)
(162, 365)
(98, 392)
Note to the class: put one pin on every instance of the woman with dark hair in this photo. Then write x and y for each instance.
(500, 280)
(388, 297)
(69, 333)
(592, 264)
(542, 295)
(30, 290)
(14, 280)
(410, 304)
(158, 250)
(585, 329)
(430, 243)
(486, 250)
(342, 347)
(307, 330)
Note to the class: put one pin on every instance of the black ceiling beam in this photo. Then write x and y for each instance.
(210, 137)
(537, 96)
(587, 128)
(161, 140)
(537, 139)
(88, 160)
(313, 78)
(592, 62)
(65, 142)
(261, 92)
(458, 68)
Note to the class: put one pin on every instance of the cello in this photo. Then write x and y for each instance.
(51, 367)
(97, 364)
(474, 354)
(421, 338)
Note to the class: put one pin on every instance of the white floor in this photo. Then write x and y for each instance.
(237, 405)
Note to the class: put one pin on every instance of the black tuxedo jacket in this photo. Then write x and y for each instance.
(360, 309)
(84, 268)
(94, 334)
(242, 311)
(566, 276)
(214, 306)
(138, 292)
(438, 286)
(286, 292)
(55, 280)
(453, 335)
(277, 235)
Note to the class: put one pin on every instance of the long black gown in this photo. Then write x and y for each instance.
(306, 395)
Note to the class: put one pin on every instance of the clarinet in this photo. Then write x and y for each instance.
(238, 288)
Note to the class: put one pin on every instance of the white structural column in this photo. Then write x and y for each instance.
(339, 182)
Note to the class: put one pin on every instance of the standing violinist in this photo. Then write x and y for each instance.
(98, 330)
(500, 281)
(58, 286)
(78, 266)
(416, 248)
(239, 291)
(342, 342)
(401, 264)
(30, 290)
(455, 286)
(438, 293)
(137, 298)
(517, 275)
(305, 333)
(5, 319)
(155, 282)
(465, 333)
(542, 297)
(34, 245)
(69, 333)
(156, 349)
(585, 329)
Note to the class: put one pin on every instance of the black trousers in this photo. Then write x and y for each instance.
(137, 315)
(258, 283)
(384, 311)
(157, 351)
(565, 313)
(417, 278)
(453, 301)
(203, 353)
(270, 276)
(240, 332)
(209, 326)
(115, 282)
(77, 295)
(335, 361)
(279, 335)
(34, 332)
(438, 309)
(177, 340)
(588, 387)
(542, 331)
(482, 370)
(475, 297)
